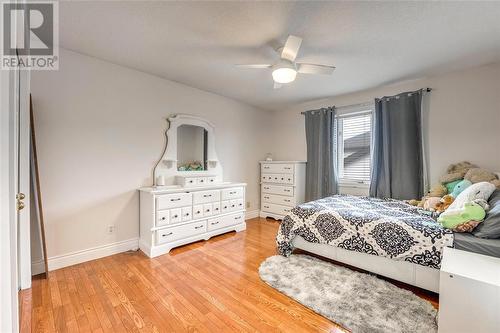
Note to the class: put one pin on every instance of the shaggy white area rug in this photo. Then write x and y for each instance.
(359, 302)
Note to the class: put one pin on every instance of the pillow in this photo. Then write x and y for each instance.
(490, 228)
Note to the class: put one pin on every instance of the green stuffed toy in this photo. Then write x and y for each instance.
(451, 185)
(471, 211)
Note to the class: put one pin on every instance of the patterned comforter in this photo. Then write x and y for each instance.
(381, 227)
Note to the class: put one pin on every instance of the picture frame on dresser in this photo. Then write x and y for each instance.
(189, 205)
(282, 187)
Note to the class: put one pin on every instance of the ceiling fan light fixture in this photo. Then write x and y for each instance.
(284, 72)
(284, 75)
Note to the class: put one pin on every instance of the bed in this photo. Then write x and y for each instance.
(384, 236)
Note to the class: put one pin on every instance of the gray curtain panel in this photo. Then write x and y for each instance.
(397, 158)
(321, 175)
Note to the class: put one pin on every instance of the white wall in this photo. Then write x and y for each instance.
(100, 130)
(463, 124)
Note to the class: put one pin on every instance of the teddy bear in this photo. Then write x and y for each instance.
(456, 172)
(444, 203)
(438, 190)
(431, 203)
(476, 175)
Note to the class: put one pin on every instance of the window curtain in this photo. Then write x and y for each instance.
(398, 159)
(321, 173)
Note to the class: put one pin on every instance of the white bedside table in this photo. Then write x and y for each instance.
(469, 293)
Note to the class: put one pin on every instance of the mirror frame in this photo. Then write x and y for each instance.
(167, 166)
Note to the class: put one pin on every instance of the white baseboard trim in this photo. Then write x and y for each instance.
(251, 214)
(77, 257)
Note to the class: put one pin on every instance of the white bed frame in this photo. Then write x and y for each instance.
(413, 274)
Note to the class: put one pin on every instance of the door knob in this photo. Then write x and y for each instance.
(20, 196)
(20, 205)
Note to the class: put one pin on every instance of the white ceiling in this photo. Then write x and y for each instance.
(370, 43)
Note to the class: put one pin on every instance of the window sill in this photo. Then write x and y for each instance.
(353, 185)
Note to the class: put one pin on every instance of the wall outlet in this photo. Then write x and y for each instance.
(111, 229)
(248, 204)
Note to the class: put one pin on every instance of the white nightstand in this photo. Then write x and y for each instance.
(469, 293)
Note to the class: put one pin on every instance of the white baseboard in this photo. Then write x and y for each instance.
(77, 257)
(73, 258)
(251, 214)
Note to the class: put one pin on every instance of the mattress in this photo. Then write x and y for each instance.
(471, 243)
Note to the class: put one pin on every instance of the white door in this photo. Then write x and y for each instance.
(8, 210)
(14, 194)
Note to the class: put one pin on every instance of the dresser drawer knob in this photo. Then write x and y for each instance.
(232, 192)
(187, 214)
(266, 167)
(175, 216)
(163, 218)
(286, 190)
(165, 235)
(175, 199)
(198, 227)
(207, 210)
(288, 168)
(237, 217)
(287, 200)
(198, 211)
(207, 195)
(214, 223)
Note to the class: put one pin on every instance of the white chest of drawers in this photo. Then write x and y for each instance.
(171, 216)
(282, 187)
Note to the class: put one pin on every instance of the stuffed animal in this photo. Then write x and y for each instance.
(477, 175)
(471, 211)
(467, 226)
(444, 203)
(431, 203)
(460, 187)
(456, 171)
(451, 185)
(496, 182)
(478, 193)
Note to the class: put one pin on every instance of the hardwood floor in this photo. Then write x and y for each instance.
(209, 286)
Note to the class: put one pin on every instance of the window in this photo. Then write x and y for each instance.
(354, 130)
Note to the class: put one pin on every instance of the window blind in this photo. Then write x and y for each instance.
(354, 150)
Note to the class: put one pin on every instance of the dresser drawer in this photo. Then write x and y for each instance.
(225, 221)
(162, 217)
(179, 232)
(276, 168)
(232, 193)
(173, 200)
(278, 199)
(276, 209)
(278, 178)
(277, 189)
(206, 196)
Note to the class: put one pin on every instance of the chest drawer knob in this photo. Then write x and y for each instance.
(163, 218)
(176, 215)
(207, 195)
(237, 217)
(198, 227)
(165, 235)
(175, 199)
(214, 223)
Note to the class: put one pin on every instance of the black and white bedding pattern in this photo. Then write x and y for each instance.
(381, 227)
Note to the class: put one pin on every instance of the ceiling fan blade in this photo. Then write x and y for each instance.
(315, 69)
(291, 48)
(277, 85)
(255, 66)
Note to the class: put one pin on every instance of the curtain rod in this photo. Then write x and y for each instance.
(359, 104)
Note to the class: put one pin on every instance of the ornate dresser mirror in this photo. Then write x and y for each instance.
(189, 158)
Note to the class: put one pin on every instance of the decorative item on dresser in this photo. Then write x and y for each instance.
(189, 205)
(282, 187)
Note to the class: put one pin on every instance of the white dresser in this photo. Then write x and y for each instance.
(173, 215)
(282, 187)
(189, 200)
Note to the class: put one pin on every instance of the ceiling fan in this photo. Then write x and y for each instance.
(286, 69)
